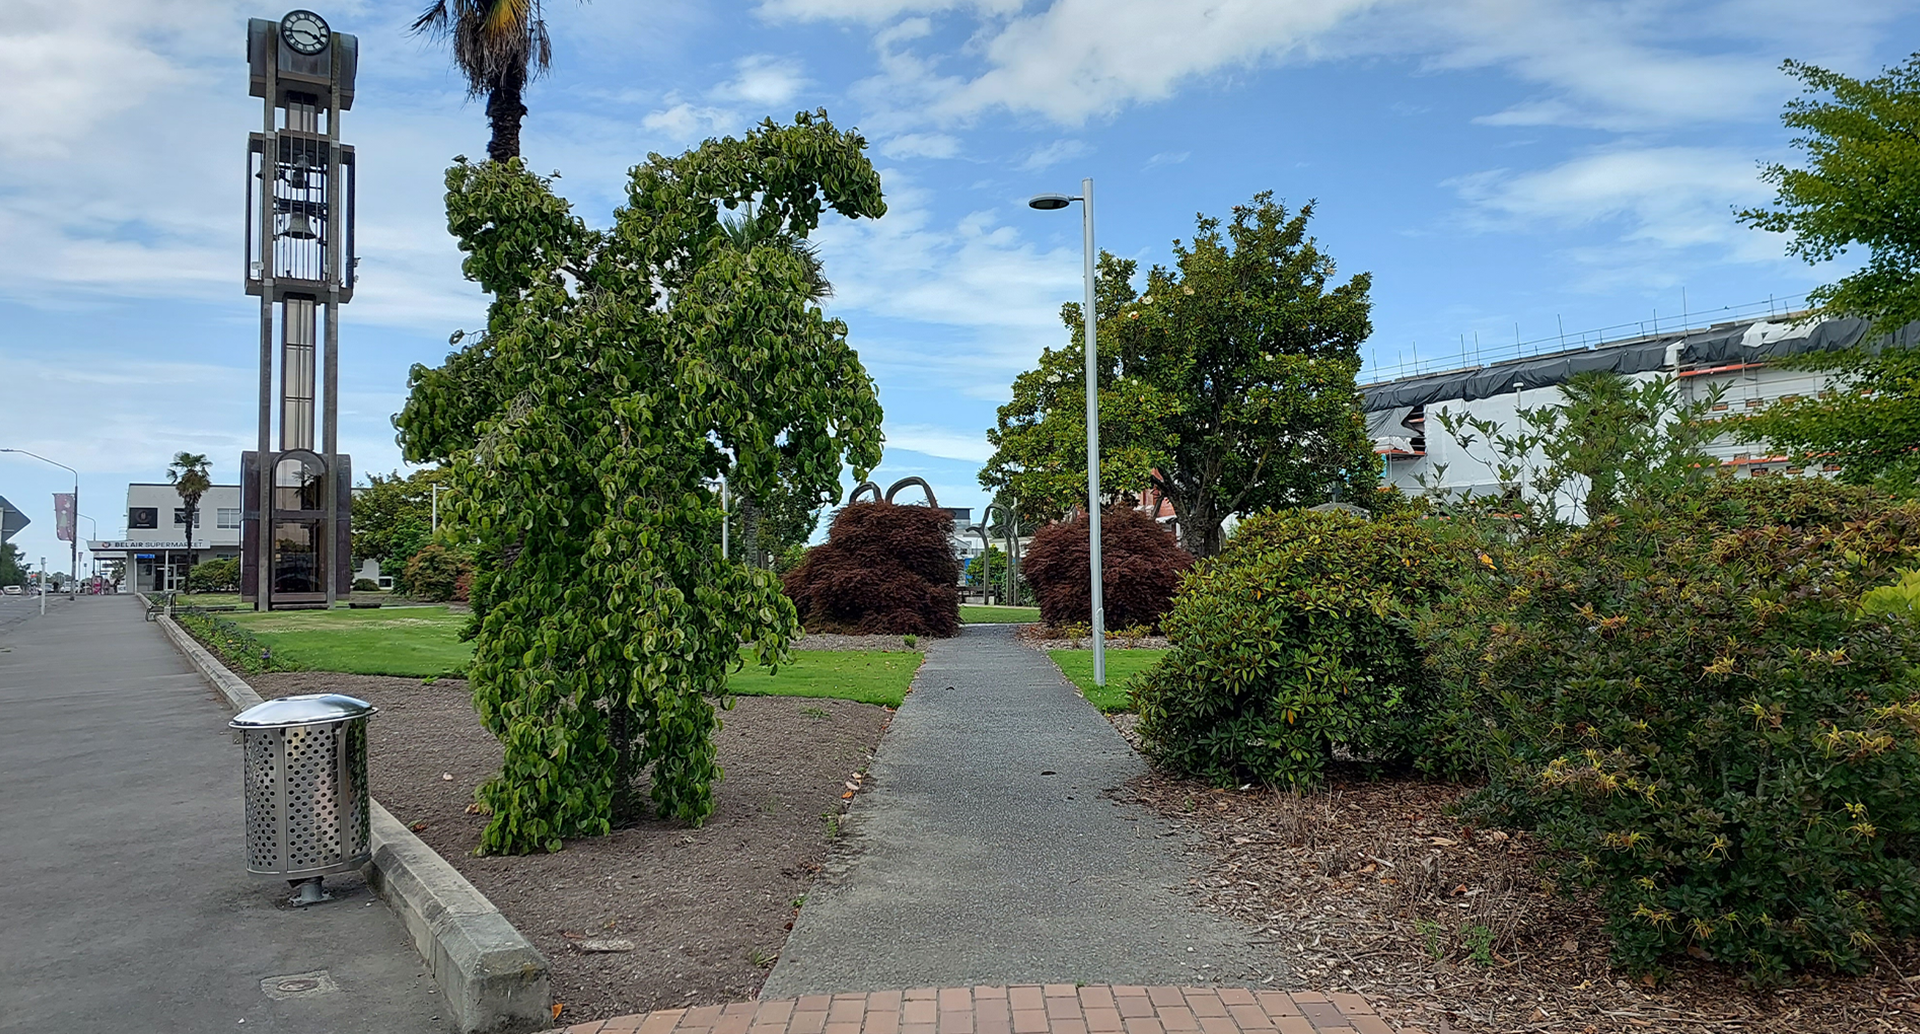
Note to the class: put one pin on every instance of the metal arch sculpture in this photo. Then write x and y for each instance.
(863, 486)
(904, 482)
(1011, 521)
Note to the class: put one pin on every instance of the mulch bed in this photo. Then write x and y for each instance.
(705, 911)
(1369, 885)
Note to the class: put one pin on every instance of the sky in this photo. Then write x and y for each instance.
(1505, 169)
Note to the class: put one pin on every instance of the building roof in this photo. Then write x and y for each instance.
(1733, 343)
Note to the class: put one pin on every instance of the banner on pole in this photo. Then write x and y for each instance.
(63, 516)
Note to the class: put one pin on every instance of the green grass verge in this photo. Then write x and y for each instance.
(1122, 665)
(977, 615)
(867, 677)
(422, 642)
(418, 642)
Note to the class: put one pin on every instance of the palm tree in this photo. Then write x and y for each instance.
(746, 233)
(188, 475)
(499, 45)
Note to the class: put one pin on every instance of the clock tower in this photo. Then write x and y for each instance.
(296, 489)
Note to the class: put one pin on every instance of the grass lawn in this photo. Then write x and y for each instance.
(976, 615)
(867, 677)
(1122, 665)
(421, 642)
(413, 641)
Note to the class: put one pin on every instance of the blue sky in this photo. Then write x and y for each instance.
(1493, 163)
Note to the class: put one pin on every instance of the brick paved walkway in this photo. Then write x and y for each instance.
(1030, 1009)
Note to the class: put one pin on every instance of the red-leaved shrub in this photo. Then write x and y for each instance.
(884, 570)
(1140, 567)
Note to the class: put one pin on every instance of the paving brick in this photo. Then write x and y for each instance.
(1219, 1025)
(1350, 1003)
(989, 991)
(762, 1027)
(693, 1028)
(1206, 1003)
(1063, 1009)
(919, 1010)
(739, 1008)
(845, 1010)
(1308, 998)
(956, 1021)
(701, 1017)
(812, 1003)
(916, 994)
(881, 1022)
(917, 1028)
(850, 996)
(1278, 1003)
(1294, 1025)
(1029, 1021)
(884, 1001)
(993, 1023)
(1062, 991)
(954, 999)
(1096, 996)
(807, 1021)
(1133, 1005)
(1178, 1017)
(1069, 1027)
(1129, 989)
(661, 1022)
(1235, 995)
(734, 1024)
(774, 1012)
(1249, 1017)
(1323, 1014)
(1341, 1029)
(1144, 1025)
(1368, 1023)
(1026, 996)
(1166, 996)
(843, 1027)
(1103, 1020)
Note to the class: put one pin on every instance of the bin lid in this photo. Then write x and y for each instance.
(305, 709)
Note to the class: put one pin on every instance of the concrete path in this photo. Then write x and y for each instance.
(985, 852)
(124, 899)
(1049, 1009)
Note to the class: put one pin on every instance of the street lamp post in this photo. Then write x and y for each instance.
(93, 536)
(1049, 203)
(73, 541)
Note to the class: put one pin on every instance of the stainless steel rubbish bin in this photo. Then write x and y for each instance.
(305, 777)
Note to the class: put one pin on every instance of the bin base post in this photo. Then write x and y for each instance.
(309, 891)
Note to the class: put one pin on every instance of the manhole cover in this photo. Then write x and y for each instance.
(298, 985)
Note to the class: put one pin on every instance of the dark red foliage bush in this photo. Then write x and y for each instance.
(1140, 567)
(884, 570)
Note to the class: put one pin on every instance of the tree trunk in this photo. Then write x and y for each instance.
(504, 111)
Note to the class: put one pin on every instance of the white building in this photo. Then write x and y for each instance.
(1735, 357)
(155, 545)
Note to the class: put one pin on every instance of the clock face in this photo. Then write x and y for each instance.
(304, 32)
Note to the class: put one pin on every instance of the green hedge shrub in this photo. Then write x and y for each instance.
(438, 573)
(1689, 706)
(1296, 641)
(1902, 597)
(214, 576)
(365, 585)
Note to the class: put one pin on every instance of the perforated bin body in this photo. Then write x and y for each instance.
(305, 779)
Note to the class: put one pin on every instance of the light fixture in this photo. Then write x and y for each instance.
(1050, 202)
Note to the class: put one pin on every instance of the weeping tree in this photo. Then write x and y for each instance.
(621, 373)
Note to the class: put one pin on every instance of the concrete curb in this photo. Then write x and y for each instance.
(493, 978)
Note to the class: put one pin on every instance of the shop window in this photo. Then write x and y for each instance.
(180, 516)
(227, 517)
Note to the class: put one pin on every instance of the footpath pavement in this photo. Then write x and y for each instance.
(988, 871)
(124, 898)
(988, 851)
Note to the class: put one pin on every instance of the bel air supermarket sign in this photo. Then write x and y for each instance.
(116, 545)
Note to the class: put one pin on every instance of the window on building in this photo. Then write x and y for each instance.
(143, 517)
(180, 516)
(227, 517)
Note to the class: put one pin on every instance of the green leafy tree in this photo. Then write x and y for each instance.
(1862, 141)
(188, 476)
(1607, 441)
(499, 46)
(393, 516)
(1228, 385)
(13, 565)
(622, 371)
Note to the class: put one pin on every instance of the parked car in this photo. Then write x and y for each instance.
(14, 590)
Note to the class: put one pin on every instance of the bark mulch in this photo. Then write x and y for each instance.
(657, 915)
(1376, 889)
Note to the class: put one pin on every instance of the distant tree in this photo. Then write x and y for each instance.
(393, 516)
(214, 576)
(1228, 386)
(13, 565)
(1863, 145)
(499, 46)
(188, 476)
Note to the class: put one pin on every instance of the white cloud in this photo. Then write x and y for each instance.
(940, 442)
(688, 122)
(876, 10)
(1053, 154)
(921, 145)
(763, 80)
(1168, 158)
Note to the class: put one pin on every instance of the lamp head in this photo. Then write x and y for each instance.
(1049, 202)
